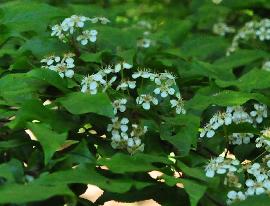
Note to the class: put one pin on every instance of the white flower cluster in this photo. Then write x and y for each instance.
(119, 105)
(222, 29)
(236, 115)
(165, 87)
(74, 25)
(264, 139)
(251, 30)
(221, 165)
(104, 79)
(113, 76)
(259, 113)
(64, 67)
(125, 138)
(258, 181)
(234, 196)
(258, 178)
(240, 138)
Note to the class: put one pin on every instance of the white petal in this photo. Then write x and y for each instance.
(157, 91)
(124, 128)
(171, 91)
(210, 133)
(93, 38)
(232, 194)
(69, 73)
(126, 65)
(117, 68)
(164, 94)
(146, 105)
(210, 173)
(84, 41)
(93, 85)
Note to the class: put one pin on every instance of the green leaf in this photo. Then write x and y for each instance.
(87, 174)
(195, 190)
(197, 173)
(224, 98)
(18, 194)
(12, 171)
(41, 46)
(83, 103)
(255, 79)
(92, 57)
(24, 89)
(203, 46)
(185, 136)
(35, 110)
(49, 139)
(127, 55)
(241, 58)
(27, 15)
(121, 163)
(49, 77)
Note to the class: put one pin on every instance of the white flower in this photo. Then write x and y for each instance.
(118, 67)
(146, 74)
(164, 90)
(125, 84)
(257, 187)
(50, 60)
(106, 70)
(62, 67)
(240, 138)
(263, 30)
(220, 165)
(178, 104)
(138, 131)
(87, 35)
(251, 30)
(120, 105)
(207, 130)
(127, 65)
(239, 115)
(92, 82)
(264, 139)
(220, 118)
(69, 24)
(165, 82)
(234, 196)
(57, 30)
(259, 113)
(145, 100)
(118, 124)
